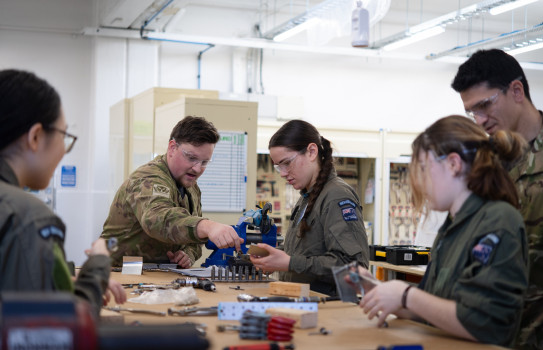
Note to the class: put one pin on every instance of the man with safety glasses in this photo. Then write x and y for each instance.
(496, 96)
(157, 211)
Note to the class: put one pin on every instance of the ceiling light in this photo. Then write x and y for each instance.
(414, 38)
(509, 6)
(296, 29)
(523, 49)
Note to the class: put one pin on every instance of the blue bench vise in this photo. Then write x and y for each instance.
(265, 232)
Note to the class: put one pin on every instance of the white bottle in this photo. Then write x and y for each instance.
(360, 26)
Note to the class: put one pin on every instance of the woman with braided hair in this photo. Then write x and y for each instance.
(326, 226)
(474, 285)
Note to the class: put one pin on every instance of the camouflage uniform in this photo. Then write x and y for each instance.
(528, 177)
(31, 248)
(336, 237)
(480, 260)
(151, 215)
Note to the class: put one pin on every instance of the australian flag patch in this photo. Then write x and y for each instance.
(482, 250)
(348, 211)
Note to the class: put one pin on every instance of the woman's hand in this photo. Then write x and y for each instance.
(116, 289)
(277, 260)
(383, 299)
(98, 247)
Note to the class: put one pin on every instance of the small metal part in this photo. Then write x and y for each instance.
(237, 288)
(220, 273)
(260, 275)
(213, 272)
(253, 272)
(322, 331)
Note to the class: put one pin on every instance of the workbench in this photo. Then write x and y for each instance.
(349, 326)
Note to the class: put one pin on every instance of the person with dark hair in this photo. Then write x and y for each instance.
(326, 226)
(475, 282)
(496, 95)
(33, 140)
(157, 211)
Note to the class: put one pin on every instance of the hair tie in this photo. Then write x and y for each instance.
(492, 144)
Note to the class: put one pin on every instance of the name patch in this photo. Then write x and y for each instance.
(482, 251)
(162, 191)
(51, 230)
(347, 202)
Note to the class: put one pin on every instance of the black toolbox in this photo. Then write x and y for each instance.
(400, 254)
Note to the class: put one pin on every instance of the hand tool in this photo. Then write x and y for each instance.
(270, 346)
(194, 311)
(202, 283)
(312, 299)
(140, 311)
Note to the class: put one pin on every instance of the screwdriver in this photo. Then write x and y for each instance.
(270, 346)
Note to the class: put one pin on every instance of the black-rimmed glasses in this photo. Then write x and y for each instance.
(69, 139)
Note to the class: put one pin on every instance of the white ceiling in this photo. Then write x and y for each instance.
(237, 19)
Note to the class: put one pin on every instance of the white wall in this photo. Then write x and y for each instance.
(93, 73)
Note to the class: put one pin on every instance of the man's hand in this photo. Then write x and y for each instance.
(180, 258)
(277, 260)
(222, 235)
(117, 290)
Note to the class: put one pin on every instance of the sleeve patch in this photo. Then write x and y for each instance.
(349, 214)
(347, 202)
(162, 191)
(482, 251)
(51, 230)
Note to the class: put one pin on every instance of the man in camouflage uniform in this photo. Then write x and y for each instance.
(157, 211)
(495, 93)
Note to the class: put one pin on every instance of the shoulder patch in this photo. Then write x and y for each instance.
(482, 250)
(160, 190)
(51, 230)
(349, 214)
(346, 202)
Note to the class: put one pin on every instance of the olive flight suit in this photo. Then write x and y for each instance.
(151, 215)
(32, 248)
(480, 260)
(336, 237)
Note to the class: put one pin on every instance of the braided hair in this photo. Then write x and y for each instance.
(487, 158)
(296, 135)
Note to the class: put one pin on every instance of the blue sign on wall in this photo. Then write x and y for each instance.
(68, 176)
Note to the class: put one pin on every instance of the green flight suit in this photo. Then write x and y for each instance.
(480, 260)
(336, 237)
(151, 215)
(31, 248)
(528, 177)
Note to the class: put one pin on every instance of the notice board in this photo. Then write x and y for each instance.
(224, 183)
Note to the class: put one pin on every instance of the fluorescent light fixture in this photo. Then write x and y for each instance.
(425, 34)
(509, 6)
(525, 49)
(296, 29)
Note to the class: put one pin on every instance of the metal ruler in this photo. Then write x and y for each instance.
(235, 310)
